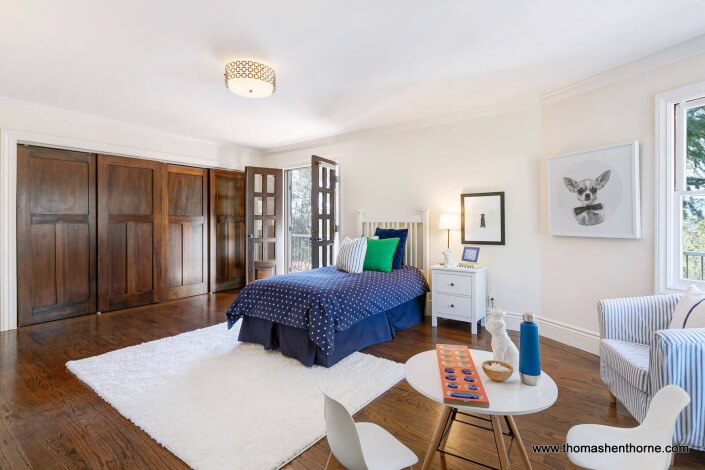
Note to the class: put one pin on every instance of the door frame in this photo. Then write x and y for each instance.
(9, 139)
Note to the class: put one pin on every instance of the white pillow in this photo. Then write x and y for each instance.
(690, 311)
(351, 255)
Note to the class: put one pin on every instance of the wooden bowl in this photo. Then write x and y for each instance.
(497, 376)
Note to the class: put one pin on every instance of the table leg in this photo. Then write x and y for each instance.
(499, 441)
(436, 437)
(520, 443)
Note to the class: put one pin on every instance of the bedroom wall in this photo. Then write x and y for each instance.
(577, 272)
(404, 172)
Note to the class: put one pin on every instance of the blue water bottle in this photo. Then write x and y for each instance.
(529, 356)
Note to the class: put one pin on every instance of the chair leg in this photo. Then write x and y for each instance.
(333, 463)
(613, 399)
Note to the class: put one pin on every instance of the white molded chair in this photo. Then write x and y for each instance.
(656, 429)
(361, 446)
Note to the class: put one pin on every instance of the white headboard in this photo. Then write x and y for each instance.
(416, 250)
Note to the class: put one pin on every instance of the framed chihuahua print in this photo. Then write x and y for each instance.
(482, 218)
(595, 193)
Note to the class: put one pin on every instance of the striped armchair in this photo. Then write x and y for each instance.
(639, 355)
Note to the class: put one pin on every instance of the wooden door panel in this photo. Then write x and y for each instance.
(130, 189)
(264, 207)
(43, 265)
(227, 229)
(74, 240)
(185, 195)
(129, 232)
(56, 234)
(186, 247)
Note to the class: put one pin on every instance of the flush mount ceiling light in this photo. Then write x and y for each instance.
(250, 78)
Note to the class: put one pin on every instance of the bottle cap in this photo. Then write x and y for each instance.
(529, 317)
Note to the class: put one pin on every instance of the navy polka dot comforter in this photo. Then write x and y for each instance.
(326, 300)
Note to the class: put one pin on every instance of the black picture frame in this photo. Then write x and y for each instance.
(464, 239)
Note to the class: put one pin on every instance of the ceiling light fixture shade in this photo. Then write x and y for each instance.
(250, 78)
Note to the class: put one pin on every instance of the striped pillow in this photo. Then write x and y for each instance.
(351, 255)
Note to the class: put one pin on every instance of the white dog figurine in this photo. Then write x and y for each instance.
(502, 345)
(449, 260)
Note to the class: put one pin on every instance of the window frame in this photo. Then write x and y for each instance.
(671, 108)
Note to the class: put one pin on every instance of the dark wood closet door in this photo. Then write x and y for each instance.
(129, 232)
(264, 218)
(227, 230)
(185, 231)
(56, 234)
(324, 181)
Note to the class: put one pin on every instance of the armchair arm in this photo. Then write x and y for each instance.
(635, 319)
(678, 357)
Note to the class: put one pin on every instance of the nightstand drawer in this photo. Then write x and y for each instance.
(459, 284)
(452, 305)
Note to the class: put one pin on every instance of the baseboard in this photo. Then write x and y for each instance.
(570, 335)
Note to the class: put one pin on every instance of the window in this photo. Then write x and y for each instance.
(690, 187)
(680, 229)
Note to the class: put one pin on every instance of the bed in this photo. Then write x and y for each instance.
(323, 315)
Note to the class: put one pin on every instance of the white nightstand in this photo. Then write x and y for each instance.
(459, 294)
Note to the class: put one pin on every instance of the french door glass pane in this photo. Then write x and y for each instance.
(300, 219)
(693, 237)
(695, 148)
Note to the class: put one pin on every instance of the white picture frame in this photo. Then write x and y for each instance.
(611, 176)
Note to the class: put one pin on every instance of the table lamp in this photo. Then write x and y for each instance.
(449, 222)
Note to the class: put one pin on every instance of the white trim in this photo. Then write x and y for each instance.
(574, 336)
(635, 193)
(639, 66)
(664, 153)
(9, 139)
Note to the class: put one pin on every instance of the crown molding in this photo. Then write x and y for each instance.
(677, 53)
(432, 121)
(80, 117)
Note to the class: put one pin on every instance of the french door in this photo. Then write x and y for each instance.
(264, 211)
(324, 181)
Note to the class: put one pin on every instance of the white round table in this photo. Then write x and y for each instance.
(507, 399)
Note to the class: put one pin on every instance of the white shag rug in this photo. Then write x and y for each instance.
(220, 404)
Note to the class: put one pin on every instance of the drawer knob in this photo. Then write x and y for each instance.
(452, 306)
(451, 284)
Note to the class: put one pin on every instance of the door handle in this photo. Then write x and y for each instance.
(250, 235)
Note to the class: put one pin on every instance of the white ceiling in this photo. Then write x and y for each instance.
(341, 66)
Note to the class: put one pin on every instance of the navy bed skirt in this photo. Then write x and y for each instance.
(295, 342)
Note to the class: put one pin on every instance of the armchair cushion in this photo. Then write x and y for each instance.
(629, 360)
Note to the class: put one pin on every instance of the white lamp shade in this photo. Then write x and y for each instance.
(449, 222)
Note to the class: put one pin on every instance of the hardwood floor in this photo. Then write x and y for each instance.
(50, 420)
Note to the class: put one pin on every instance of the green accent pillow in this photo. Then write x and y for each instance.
(380, 254)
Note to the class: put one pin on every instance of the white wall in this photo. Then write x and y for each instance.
(404, 172)
(577, 272)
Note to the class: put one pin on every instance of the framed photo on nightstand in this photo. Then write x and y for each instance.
(470, 254)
